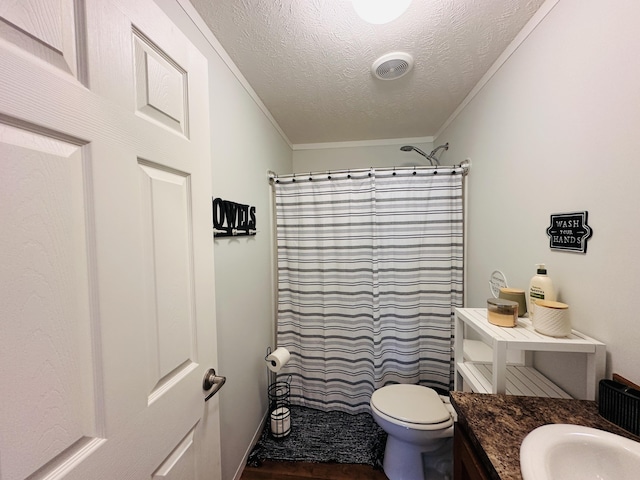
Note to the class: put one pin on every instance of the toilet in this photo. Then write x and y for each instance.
(419, 424)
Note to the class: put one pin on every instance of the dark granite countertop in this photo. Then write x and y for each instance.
(497, 424)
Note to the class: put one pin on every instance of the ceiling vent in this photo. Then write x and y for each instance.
(392, 65)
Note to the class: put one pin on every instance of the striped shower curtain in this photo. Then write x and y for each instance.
(370, 268)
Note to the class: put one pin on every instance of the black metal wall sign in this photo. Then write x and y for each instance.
(233, 219)
(569, 231)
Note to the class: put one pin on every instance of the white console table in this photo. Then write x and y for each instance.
(500, 376)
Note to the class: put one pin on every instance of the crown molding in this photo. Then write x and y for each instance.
(362, 143)
(201, 25)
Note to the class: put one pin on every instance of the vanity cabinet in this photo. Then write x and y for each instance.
(466, 464)
(491, 428)
(500, 374)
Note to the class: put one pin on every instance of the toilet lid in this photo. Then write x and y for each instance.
(410, 403)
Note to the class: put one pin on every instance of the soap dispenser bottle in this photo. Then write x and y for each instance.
(540, 287)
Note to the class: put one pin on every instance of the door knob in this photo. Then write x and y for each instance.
(212, 380)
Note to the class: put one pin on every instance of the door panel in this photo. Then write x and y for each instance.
(169, 256)
(44, 293)
(161, 92)
(44, 28)
(107, 315)
(181, 463)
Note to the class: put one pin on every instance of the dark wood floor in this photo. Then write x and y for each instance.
(311, 471)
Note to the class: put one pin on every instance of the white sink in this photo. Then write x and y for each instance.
(574, 452)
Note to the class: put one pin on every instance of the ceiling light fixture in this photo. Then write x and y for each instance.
(380, 11)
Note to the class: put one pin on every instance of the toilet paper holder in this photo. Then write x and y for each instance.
(278, 393)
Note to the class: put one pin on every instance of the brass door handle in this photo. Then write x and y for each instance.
(212, 380)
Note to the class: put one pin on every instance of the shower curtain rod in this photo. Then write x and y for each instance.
(465, 166)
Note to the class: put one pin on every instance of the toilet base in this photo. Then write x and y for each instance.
(438, 465)
(402, 460)
(408, 461)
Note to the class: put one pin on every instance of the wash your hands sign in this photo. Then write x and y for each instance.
(569, 232)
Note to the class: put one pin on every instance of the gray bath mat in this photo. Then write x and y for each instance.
(324, 437)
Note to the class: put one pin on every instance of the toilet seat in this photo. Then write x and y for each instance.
(412, 406)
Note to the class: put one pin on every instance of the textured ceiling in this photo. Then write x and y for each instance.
(309, 61)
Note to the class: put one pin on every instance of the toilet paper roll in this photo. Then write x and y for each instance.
(278, 359)
(280, 422)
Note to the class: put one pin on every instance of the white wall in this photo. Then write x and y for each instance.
(553, 130)
(245, 144)
(556, 130)
(355, 155)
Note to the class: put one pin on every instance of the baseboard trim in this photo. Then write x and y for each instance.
(254, 440)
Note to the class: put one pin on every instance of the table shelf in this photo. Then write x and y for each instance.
(502, 376)
(520, 380)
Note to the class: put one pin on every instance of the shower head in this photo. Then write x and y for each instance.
(431, 156)
(408, 148)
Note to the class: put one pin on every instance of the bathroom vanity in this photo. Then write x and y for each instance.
(491, 428)
(500, 374)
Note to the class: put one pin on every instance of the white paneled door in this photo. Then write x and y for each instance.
(107, 318)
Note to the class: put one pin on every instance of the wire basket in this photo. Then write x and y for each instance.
(279, 408)
(620, 404)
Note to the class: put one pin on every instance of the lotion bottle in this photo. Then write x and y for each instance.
(540, 287)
